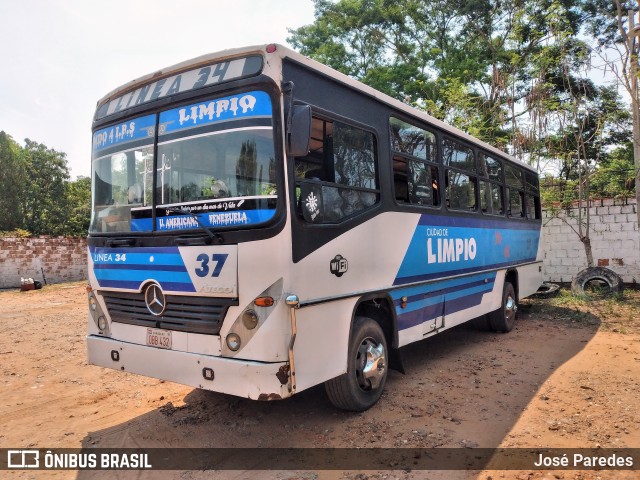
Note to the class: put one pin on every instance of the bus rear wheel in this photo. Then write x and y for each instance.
(504, 318)
(361, 386)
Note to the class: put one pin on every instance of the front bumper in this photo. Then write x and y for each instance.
(254, 380)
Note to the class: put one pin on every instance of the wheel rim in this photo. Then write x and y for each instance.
(370, 364)
(510, 308)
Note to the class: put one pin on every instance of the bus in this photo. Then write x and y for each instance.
(262, 224)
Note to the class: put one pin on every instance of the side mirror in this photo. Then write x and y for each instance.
(299, 134)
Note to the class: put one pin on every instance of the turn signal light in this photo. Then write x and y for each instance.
(264, 302)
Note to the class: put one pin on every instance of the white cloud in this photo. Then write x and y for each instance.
(61, 56)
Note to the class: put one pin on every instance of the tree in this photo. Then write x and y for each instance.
(477, 65)
(44, 194)
(614, 27)
(36, 195)
(78, 206)
(12, 180)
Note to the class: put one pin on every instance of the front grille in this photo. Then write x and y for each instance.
(182, 314)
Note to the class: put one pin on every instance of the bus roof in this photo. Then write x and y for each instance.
(283, 52)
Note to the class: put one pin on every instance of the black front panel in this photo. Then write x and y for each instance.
(339, 104)
(182, 314)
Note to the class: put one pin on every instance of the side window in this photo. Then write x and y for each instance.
(415, 172)
(533, 207)
(461, 182)
(491, 190)
(461, 191)
(514, 179)
(491, 198)
(412, 140)
(458, 156)
(490, 167)
(338, 177)
(516, 203)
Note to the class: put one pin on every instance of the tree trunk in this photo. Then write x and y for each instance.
(586, 241)
(633, 77)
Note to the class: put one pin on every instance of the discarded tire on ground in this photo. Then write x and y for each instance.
(547, 290)
(594, 279)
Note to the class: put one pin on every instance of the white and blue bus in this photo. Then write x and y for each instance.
(262, 224)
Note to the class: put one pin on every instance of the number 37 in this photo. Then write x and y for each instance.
(217, 258)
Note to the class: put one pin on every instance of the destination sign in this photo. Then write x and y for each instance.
(191, 80)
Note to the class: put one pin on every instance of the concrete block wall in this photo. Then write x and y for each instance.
(60, 259)
(615, 240)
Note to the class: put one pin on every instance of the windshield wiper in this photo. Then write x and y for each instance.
(213, 237)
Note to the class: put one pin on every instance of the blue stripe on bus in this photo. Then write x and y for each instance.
(141, 275)
(430, 301)
(133, 285)
(417, 317)
(166, 268)
(127, 268)
(415, 301)
(462, 271)
(450, 285)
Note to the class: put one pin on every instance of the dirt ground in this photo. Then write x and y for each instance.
(567, 376)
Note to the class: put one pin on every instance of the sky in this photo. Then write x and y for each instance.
(59, 57)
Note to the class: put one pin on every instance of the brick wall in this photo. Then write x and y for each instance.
(615, 241)
(62, 259)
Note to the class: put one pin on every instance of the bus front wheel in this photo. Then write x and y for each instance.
(361, 386)
(504, 318)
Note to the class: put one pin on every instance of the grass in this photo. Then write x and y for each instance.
(617, 313)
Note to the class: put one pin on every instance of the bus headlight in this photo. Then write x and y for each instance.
(93, 303)
(102, 323)
(233, 342)
(250, 319)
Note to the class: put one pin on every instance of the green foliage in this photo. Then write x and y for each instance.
(12, 181)
(78, 205)
(18, 232)
(511, 72)
(36, 195)
(44, 194)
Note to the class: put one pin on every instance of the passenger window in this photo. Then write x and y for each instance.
(531, 181)
(516, 203)
(533, 208)
(458, 156)
(338, 177)
(460, 191)
(415, 182)
(412, 140)
(491, 201)
(513, 176)
(415, 172)
(490, 167)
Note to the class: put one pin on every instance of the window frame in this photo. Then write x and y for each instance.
(473, 175)
(491, 182)
(532, 192)
(319, 115)
(406, 158)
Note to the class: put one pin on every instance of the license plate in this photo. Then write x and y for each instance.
(158, 338)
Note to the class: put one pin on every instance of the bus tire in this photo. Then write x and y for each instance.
(367, 365)
(504, 318)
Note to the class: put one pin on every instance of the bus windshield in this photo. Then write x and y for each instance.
(215, 160)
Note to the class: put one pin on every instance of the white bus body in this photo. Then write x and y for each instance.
(223, 258)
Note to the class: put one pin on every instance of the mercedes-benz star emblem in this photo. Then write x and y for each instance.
(155, 299)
